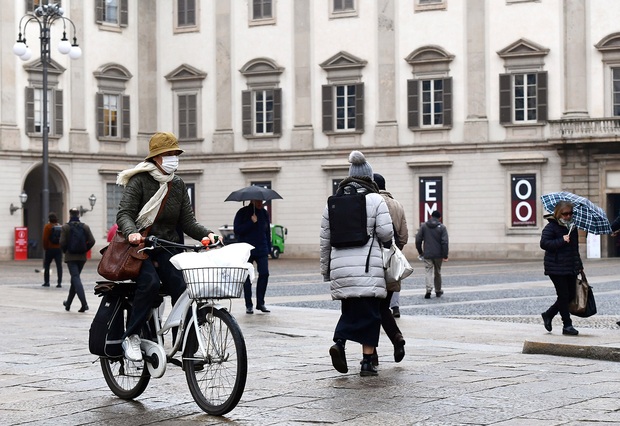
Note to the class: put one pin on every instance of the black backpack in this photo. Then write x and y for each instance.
(106, 331)
(55, 234)
(77, 239)
(347, 218)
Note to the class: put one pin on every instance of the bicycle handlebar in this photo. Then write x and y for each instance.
(153, 242)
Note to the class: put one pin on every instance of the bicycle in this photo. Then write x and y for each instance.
(212, 347)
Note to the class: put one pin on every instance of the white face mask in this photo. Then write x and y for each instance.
(170, 163)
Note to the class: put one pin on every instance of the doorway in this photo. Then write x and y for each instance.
(613, 209)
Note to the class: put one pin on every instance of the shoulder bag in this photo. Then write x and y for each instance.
(583, 305)
(395, 264)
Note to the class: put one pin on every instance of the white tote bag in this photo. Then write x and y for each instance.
(395, 265)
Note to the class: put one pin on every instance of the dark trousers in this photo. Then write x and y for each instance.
(54, 254)
(387, 318)
(565, 289)
(75, 269)
(262, 267)
(157, 275)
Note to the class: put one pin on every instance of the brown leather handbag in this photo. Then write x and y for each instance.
(120, 260)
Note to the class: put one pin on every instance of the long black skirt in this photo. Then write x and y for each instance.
(360, 321)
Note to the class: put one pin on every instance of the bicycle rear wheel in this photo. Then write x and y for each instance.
(217, 380)
(126, 379)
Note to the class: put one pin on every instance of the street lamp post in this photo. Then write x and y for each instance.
(45, 16)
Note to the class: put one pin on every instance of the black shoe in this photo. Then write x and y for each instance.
(427, 296)
(45, 285)
(249, 310)
(570, 330)
(262, 308)
(399, 350)
(374, 358)
(339, 358)
(368, 369)
(83, 308)
(396, 312)
(59, 286)
(438, 293)
(547, 321)
(67, 307)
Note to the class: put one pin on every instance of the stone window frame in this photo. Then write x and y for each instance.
(342, 68)
(186, 80)
(123, 15)
(261, 74)
(186, 28)
(429, 63)
(112, 80)
(270, 20)
(523, 57)
(55, 102)
(429, 5)
(609, 48)
(335, 13)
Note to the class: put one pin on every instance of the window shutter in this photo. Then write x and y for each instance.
(192, 116)
(541, 96)
(327, 95)
(359, 107)
(505, 98)
(447, 102)
(124, 14)
(246, 112)
(182, 116)
(277, 112)
(126, 133)
(181, 16)
(30, 110)
(99, 5)
(99, 114)
(29, 5)
(413, 113)
(58, 117)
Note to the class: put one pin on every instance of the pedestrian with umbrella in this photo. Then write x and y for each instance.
(560, 240)
(252, 226)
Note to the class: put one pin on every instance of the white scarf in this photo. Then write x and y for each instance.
(147, 215)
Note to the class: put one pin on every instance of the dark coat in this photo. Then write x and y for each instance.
(257, 234)
(176, 216)
(431, 240)
(64, 241)
(561, 258)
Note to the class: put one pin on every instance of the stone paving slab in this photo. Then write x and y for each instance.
(456, 372)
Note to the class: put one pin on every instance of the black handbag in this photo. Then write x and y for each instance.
(583, 305)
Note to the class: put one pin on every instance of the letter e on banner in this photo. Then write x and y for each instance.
(523, 197)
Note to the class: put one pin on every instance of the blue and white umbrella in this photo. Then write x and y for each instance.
(586, 215)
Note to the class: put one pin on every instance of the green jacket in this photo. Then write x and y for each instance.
(177, 214)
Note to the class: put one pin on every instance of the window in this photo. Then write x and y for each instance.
(609, 47)
(343, 96)
(112, 12)
(523, 88)
(343, 8)
(262, 103)
(186, 13)
(32, 4)
(114, 193)
(615, 75)
(112, 105)
(34, 100)
(261, 12)
(429, 93)
(424, 5)
(186, 84)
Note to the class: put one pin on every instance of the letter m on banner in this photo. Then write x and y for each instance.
(431, 196)
(523, 197)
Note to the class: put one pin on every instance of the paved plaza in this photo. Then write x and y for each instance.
(456, 371)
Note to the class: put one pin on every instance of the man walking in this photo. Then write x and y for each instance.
(431, 241)
(51, 246)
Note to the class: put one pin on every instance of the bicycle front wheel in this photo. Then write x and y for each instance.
(216, 379)
(126, 379)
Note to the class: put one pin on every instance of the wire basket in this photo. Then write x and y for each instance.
(215, 282)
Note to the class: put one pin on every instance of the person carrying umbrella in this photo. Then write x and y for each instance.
(562, 262)
(252, 226)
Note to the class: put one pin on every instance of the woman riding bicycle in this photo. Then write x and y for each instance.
(148, 186)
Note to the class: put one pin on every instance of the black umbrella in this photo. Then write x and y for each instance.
(253, 192)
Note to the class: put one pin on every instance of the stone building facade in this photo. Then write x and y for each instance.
(474, 107)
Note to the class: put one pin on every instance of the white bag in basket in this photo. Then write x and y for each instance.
(235, 255)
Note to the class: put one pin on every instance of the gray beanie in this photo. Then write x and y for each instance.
(359, 166)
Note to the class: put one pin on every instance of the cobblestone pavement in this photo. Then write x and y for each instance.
(459, 370)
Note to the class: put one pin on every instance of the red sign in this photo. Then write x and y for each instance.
(523, 197)
(21, 243)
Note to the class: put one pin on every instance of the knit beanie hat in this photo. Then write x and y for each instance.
(359, 167)
(379, 180)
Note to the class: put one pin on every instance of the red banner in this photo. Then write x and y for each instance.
(21, 243)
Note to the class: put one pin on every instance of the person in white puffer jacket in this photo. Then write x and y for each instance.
(356, 274)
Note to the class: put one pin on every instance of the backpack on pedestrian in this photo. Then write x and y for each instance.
(55, 234)
(105, 336)
(347, 218)
(77, 243)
